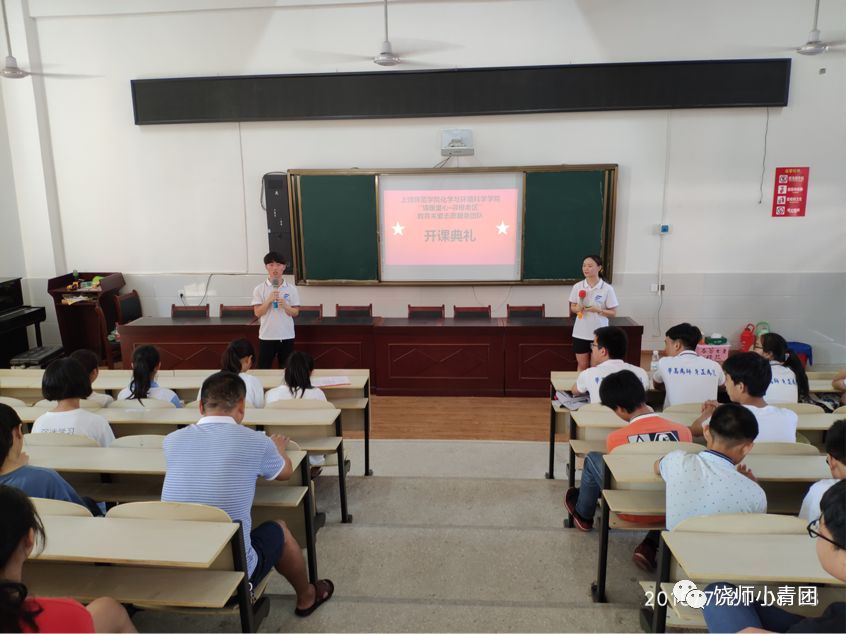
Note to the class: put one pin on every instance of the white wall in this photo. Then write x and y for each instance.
(157, 200)
(11, 253)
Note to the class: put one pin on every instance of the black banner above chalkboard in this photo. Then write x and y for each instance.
(464, 91)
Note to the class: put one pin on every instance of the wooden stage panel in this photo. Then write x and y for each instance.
(337, 343)
(460, 368)
(446, 357)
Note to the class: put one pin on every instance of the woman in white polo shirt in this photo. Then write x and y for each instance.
(789, 383)
(592, 301)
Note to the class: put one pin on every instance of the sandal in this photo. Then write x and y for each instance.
(323, 591)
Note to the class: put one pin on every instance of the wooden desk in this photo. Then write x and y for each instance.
(173, 546)
(739, 558)
(601, 423)
(170, 543)
(109, 460)
(406, 357)
(151, 462)
(638, 469)
(301, 421)
(298, 424)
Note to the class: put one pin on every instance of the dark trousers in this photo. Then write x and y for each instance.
(268, 350)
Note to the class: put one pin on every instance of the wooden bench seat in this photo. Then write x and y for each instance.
(275, 495)
(349, 403)
(583, 447)
(327, 445)
(149, 586)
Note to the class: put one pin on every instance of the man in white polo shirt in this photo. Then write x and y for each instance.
(217, 461)
(275, 303)
(687, 377)
(606, 357)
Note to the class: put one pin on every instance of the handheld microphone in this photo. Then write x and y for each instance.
(275, 284)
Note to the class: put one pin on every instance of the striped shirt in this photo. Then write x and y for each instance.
(216, 462)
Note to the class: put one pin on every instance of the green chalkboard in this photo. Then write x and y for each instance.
(338, 227)
(564, 223)
(568, 214)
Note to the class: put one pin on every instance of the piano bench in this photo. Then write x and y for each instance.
(37, 357)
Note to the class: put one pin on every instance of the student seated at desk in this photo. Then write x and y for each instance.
(713, 481)
(748, 376)
(238, 358)
(66, 381)
(217, 461)
(789, 383)
(145, 365)
(91, 363)
(835, 448)
(21, 528)
(829, 529)
(15, 470)
(606, 356)
(623, 392)
(686, 377)
(297, 383)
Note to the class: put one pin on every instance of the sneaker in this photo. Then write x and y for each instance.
(644, 557)
(582, 523)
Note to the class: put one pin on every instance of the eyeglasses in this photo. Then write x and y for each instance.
(814, 533)
(594, 345)
(757, 347)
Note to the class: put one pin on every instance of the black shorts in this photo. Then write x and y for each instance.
(270, 349)
(581, 346)
(267, 539)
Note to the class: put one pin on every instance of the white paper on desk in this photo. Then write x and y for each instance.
(329, 381)
(572, 402)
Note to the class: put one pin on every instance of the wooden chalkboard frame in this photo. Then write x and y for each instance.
(606, 238)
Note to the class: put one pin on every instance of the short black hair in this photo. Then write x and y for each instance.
(65, 378)
(733, 424)
(835, 440)
(688, 334)
(613, 339)
(274, 256)
(833, 508)
(222, 391)
(752, 370)
(87, 358)
(9, 421)
(622, 389)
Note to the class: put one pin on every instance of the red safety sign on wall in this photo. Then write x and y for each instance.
(791, 191)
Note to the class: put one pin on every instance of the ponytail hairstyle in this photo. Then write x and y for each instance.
(298, 373)
(598, 261)
(17, 518)
(777, 347)
(235, 351)
(144, 362)
(9, 422)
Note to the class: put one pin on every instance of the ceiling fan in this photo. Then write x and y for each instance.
(814, 45)
(386, 56)
(11, 69)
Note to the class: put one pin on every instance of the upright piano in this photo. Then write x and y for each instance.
(14, 319)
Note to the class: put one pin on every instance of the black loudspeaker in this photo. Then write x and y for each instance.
(275, 187)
